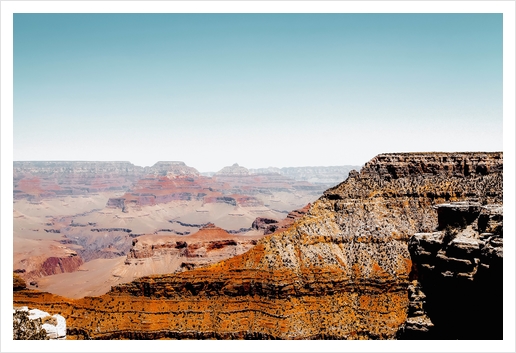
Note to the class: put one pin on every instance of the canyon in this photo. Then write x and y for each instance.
(76, 223)
(375, 257)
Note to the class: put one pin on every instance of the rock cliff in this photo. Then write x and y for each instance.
(36, 179)
(63, 261)
(342, 271)
(458, 272)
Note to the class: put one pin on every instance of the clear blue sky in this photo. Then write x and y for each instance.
(257, 89)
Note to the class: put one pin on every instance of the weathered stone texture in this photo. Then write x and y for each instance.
(460, 270)
(342, 271)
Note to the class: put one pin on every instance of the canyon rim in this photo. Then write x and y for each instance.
(371, 259)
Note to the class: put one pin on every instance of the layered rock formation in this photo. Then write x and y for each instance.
(233, 185)
(458, 271)
(54, 265)
(18, 282)
(63, 261)
(98, 243)
(342, 271)
(46, 179)
(209, 245)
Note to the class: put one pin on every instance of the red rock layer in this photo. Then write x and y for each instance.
(40, 266)
(56, 265)
(209, 245)
(342, 271)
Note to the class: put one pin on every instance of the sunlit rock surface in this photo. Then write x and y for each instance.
(343, 271)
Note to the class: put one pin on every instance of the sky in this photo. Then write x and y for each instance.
(255, 89)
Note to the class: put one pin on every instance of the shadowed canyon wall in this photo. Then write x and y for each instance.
(458, 275)
(342, 271)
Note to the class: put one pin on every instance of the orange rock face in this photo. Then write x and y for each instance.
(341, 271)
(18, 282)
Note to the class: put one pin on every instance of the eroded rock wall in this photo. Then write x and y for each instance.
(342, 271)
(458, 270)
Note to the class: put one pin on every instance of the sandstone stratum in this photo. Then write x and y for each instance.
(342, 271)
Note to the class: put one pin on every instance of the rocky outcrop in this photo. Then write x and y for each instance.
(235, 169)
(209, 245)
(341, 271)
(156, 189)
(116, 202)
(18, 282)
(54, 325)
(234, 200)
(242, 181)
(458, 269)
(64, 261)
(55, 265)
(270, 226)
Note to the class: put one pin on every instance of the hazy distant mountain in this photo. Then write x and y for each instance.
(329, 175)
(68, 214)
(233, 170)
(314, 175)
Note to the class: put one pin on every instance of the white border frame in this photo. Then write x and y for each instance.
(10, 7)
